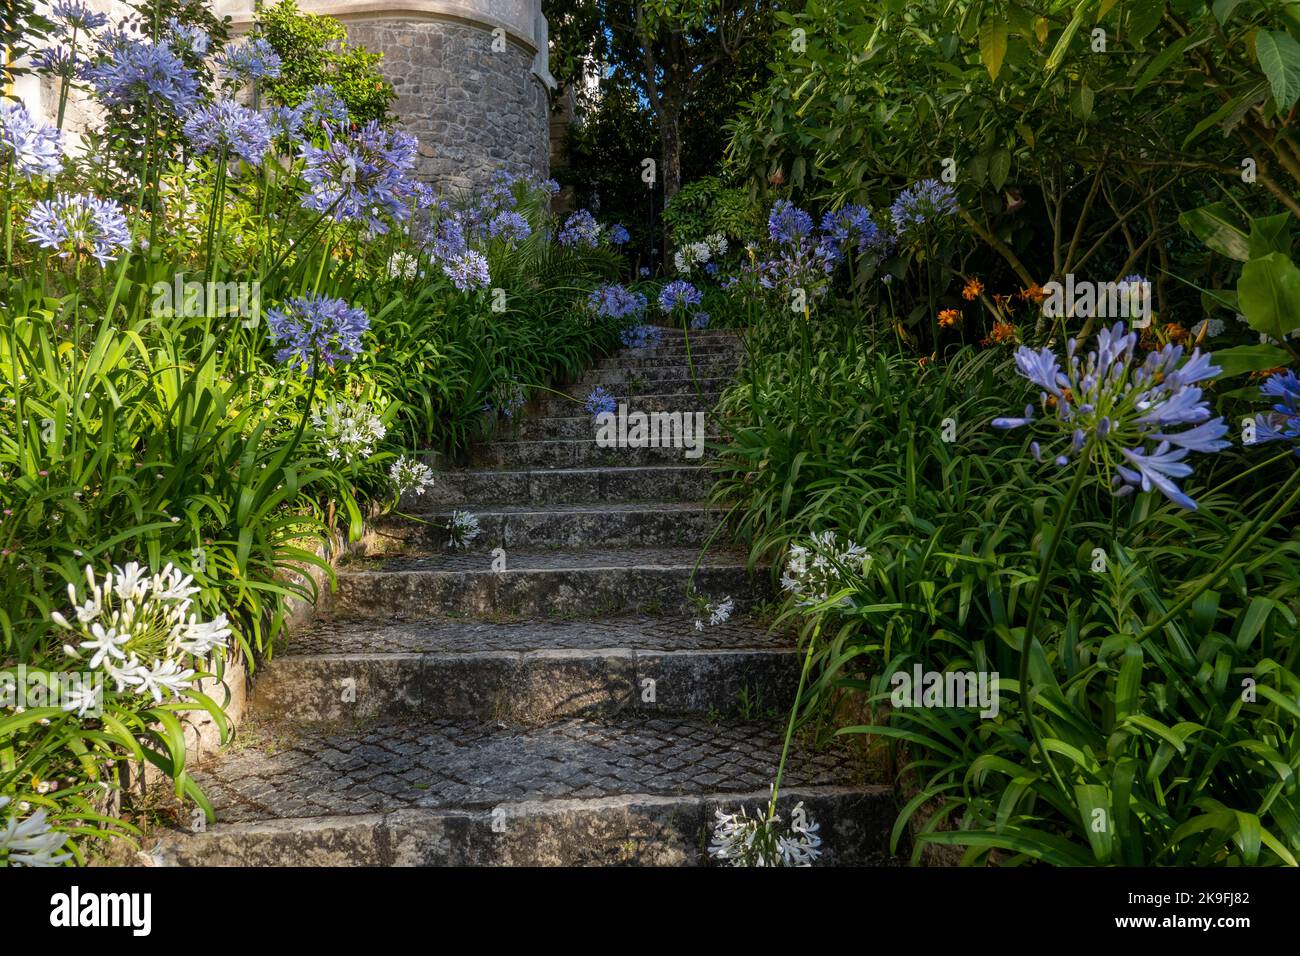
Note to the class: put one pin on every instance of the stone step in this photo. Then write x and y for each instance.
(673, 524)
(658, 373)
(541, 583)
(574, 453)
(349, 670)
(670, 355)
(630, 391)
(575, 426)
(550, 486)
(686, 401)
(623, 790)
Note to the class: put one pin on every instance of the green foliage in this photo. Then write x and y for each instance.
(706, 206)
(313, 50)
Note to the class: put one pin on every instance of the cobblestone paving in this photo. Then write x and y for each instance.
(472, 765)
(344, 636)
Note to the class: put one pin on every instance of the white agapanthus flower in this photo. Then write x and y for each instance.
(742, 840)
(411, 476)
(691, 255)
(816, 571)
(462, 528)
(717, 243)
(140, 629)
(30, 842)
(348, 429)
(1207, 327)
(402, 265)
(719, 613)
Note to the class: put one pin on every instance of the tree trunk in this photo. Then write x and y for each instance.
(670, 164)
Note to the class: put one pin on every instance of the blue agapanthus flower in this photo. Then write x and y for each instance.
(32, 148)
(642, 336)
(799, 267)
(924, 202)
(322, 104)
(510, 226)
(615, 302)
(189, 37)
(1123, 414)
(1282, 423)
(254, 60)
(227, 127)
(699, 320)
(599, 402)
(679, 292)
(618, 235)
(363, 177)
(79, 225)
(285, 123)
(787, 223)
(467, 270)
(76, 15)
(56, 61)
(317, 326)
(580, 229)
(135, 72)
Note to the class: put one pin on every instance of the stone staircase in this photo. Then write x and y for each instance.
(564, 710)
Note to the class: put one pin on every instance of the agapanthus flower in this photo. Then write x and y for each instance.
(188, 37)
(1207, 328)
(580, 229)
(317, 326)
(699, 320)
(284, 122)
(798, 267)
(600, 402)
(56, 61)
(924, 202)
(402, 265)
(348, 430)
(468, 270)
(227, 127)
(817, 570)
(617, 235)
(641, 336)
(508, 398)
(362, 178)
(1282, 423)
(742, 840)
(29, 145)
(135, 72)
(76, 15)
(141, 629)
(254, 60)
(686, 258)
(79, 225)
(719, 613)
(30, 842)
(410, 476)
(510, 226)
(787, 223)
(462, 528)
(322, 104)
(1122, 414)
(679, 292)
(615, 302)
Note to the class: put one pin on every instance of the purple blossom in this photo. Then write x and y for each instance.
(254, 60)
(921, 203)
(599, 402)
(322, 105)
(1282, 423)
(32, 147)
(786, 223)
(510, 226)
(642, 336)
(76, 225)
(700, 320)
(227, 127)
(618, 235)
(362, 178)
(317, 326)
(616, 302)
(580, 229)
(468, 270)
(679, 292)
(76, 15)
(135, 72)
(192, 39)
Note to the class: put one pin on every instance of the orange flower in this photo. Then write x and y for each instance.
(1176, 332)
(973, 289)
(948, 318)
(1002, 332)
(1034, 293)
(1004, 302)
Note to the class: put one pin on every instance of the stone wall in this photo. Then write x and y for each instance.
(474, 109)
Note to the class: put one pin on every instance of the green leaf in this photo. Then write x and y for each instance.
(1215, 226)
(1269, 293)
(993, 45)
(1270, 234)
(1249, 358)
(1278, 54)
(999, 167)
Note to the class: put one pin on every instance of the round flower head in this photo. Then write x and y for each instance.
(79, 225)
(467, 270)
(600, 402)
(787, 223)
(317, 326)
(615, 302)
(322, 105)
(1283, 422)
(254, 60)
(227, 127)
(410, 476)
(679, 292)
(348, 430)
(362, 178)
(31, 841)
(642, 337)
(925, 202)
(30, 146)
(135, 72)
(188, 38)
(617, 235)
(580, 229)
(510, 226)
(1122, 413)
(76, 15)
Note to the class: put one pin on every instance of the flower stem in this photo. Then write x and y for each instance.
(789, 727)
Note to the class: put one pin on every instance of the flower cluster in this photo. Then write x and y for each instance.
(616, 302)
(922, 203)
(462, 528)
(1282, 423)
(362, 177)
(31, 147)
(679, 292)
(410, 476)
(694, 254)
(580, 229)
(317, 326)
(30, 842)
(788, 224)
(510, 226)
(225, 127)
(815, 572)
(135, 72)
(599, 402)
(641, 336)
(254, 60)
(322, 106)
(76, 15)
(348, 430)
(141, 630)
(617, 235)
(719, 613)
(79, 225)
(1123, 413)
(742, 840)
